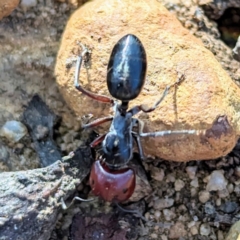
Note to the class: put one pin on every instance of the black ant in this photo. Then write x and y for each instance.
(126, 71)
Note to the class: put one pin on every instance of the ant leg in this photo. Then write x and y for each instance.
(147, 109)
(138, 141)
(97, 122)
(97, 140)
(65, 207)
(160, 133)
(100, 98)
(169, 132)
(133, 211)
(136, 136)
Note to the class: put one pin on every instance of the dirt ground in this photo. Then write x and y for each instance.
(182, 203)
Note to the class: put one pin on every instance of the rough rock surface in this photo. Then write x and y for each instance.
(7, 6)
(234, 233)
(206, 99)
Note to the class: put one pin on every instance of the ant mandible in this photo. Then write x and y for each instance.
(110, 178)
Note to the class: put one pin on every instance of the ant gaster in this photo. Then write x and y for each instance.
(110, 178)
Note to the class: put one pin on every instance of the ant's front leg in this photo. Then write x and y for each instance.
(147, 109)
(98, 140)
(97, 122)
(100, 98)
(94, 124)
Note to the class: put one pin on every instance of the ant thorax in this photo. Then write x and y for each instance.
(118, 142)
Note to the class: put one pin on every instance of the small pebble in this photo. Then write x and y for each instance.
(164, 237)
(13, 131)
(27, 152)
(220, 235)
(157, 214)
(218, 202)
(237, 190)
(230, 188)
(147, 215)
(237, 183)
(177, 230)
(194, 230)
(209, 208)
(223, 193)
(213, 236)
(204, 196)
(67, 138)
(182, 208)
(157, 173)
(229, 207)
(194, 192)
(205, 229)
(4, 154)
(194, 182)
(191, 171)
(195, 218)
(168, 214)
(154, 236)
(178, 185)
(25, 4)
(236, 50)
(191, 224)
(63, 147)
(237, 171)
(170, 178)
(163, 203)
(216, 181)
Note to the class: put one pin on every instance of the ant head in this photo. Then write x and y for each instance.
(127, 68)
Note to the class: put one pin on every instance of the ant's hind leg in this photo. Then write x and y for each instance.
(139, 124)
(65, 207)
(162, 133)
(170, 132)
(100, 98)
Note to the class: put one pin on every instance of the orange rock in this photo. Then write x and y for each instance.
(7, 6)
(206, 99)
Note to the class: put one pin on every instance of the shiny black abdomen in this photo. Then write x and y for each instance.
(127, 68)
